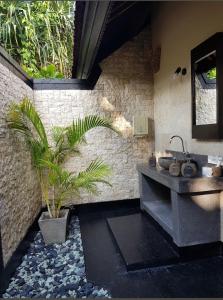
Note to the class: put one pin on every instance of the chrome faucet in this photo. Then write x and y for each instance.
(182, 142)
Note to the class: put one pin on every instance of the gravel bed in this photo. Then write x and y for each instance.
(54, 271)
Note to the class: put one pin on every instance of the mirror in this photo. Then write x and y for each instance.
(207, 88)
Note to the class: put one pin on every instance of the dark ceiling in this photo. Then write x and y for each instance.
(101, 27)
(127, 19)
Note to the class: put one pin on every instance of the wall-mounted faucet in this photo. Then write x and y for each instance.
(182, 142)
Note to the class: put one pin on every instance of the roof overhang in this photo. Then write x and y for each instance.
(90, 22)
(101, 27)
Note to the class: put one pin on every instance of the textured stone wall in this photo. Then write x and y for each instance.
(125, 88)
(19, 189)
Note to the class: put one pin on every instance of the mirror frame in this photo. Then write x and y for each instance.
(209, 131)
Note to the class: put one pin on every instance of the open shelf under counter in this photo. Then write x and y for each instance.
(161, 211)
(181, 206)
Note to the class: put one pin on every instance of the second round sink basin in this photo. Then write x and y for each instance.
(166, 161)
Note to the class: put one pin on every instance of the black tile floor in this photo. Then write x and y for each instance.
(105, 266)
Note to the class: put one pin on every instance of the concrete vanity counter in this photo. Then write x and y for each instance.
(187, 208)
(181, 184)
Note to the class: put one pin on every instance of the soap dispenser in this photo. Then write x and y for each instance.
(152, 161)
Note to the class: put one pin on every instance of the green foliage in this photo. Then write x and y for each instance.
(211, 74)
(24, 119)
(45, 72)
(38, 34)
(93, 174)
(67, 138)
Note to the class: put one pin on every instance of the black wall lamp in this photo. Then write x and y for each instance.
(180, 71)
(184, 71)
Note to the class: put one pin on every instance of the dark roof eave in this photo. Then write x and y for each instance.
(101, 27)
(90, 22)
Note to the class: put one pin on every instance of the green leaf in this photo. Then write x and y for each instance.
(76, 132)
(44, 32)
(96, 172)
(67, 140)
(23, 118)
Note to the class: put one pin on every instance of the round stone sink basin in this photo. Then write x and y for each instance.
(166, 161)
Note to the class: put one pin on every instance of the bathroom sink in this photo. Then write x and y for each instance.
(166, 161)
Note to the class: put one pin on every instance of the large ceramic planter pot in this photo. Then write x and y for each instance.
(53, 230)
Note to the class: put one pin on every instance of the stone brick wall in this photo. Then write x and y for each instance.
(19, 189)
(125, 88)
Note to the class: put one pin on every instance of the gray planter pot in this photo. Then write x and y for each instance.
(53, 230)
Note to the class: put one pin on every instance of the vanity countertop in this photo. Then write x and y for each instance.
(182, 185)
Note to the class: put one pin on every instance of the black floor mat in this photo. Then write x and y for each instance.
(140, 244)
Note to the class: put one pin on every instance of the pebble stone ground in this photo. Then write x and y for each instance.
(54, 271)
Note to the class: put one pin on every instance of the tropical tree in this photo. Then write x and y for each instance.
(56, 182)
(38, 33)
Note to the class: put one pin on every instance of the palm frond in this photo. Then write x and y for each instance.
(62, 149)
(20, 114)
(67, 182)
(27, 108)
(20, 118)
(57, 175)
(38, 151)
(58, 134)
(16, 121)
(75, 133)
(68, 139)
(95, 173)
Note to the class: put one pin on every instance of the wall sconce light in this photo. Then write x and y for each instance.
(184, 71)
(179, 71)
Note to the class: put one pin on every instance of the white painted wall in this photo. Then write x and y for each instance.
(179, 27)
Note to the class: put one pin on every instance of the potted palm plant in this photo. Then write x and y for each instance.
(56, 182)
